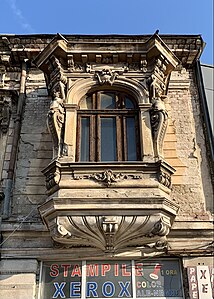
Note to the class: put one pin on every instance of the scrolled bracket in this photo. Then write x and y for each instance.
(165, 179)
(159, 122)
(53, 179)
(161, 228)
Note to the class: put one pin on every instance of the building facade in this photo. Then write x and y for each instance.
(106, 168)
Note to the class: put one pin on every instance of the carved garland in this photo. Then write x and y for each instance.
(107, 177)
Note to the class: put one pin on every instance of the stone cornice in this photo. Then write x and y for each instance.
(185, 47)
(123, 52)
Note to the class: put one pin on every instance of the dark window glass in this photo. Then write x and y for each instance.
(84, 147)
(128, 103)
(107, 101)
(131, 139)
(107, 128)
(108, 139)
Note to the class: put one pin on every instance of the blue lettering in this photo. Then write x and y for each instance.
(91, 288)
(111, 289)
(59, 291)
(124, 289)
(75, 289)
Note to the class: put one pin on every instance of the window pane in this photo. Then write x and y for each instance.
(128, 103)
(107, 101)
(84, 147)
(131, 139)
(86, 103)
(108, 139)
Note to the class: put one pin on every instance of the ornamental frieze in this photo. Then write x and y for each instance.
(107, 177)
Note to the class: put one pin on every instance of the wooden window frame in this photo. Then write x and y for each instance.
(120, 114)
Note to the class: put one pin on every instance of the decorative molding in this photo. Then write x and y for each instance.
(82, 86)
(143, 64)
(119, 68)
(161, 227)
(107, 177)
(53, 178)
(165, 179)
(106, 76)
(111, 233)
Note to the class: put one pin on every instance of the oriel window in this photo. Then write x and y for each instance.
(107, 128)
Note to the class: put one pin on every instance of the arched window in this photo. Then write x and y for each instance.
(107, 128)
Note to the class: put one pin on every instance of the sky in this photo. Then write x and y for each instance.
(110, 17)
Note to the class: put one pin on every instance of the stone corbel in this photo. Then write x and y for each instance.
(161, 227)
(143, 64)
(110, 233)
(53, 178)
(165, 179)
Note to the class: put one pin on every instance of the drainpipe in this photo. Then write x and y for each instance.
(16, 135)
